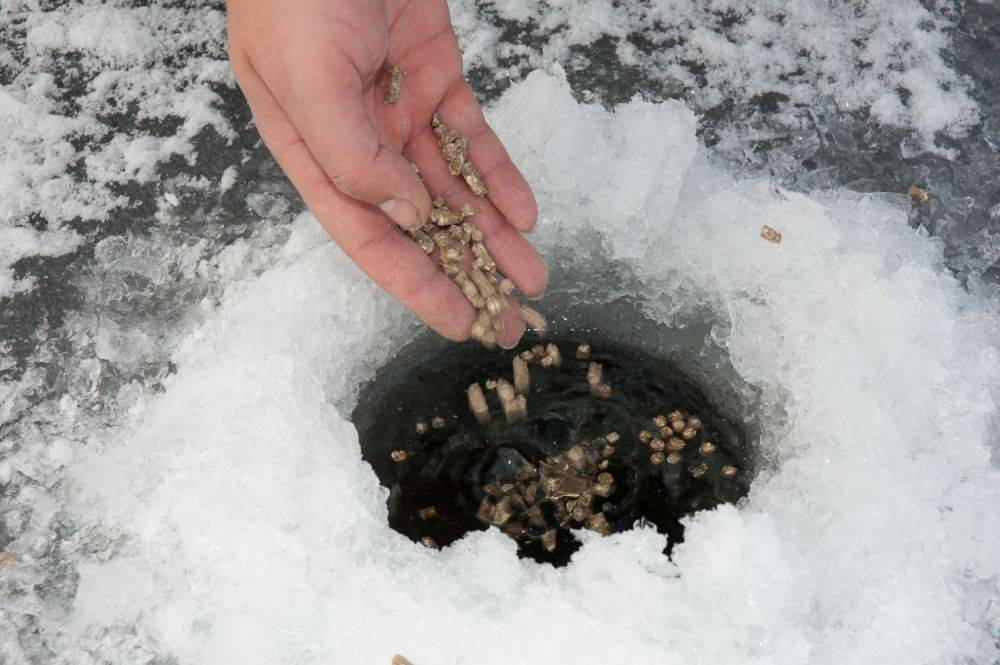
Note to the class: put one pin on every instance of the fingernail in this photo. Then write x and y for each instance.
(512, 344)
(402, 212)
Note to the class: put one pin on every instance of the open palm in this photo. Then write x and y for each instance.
(313, 72)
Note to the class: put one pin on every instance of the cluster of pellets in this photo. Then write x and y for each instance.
(565, 490)
(670, 437)
(455, 238)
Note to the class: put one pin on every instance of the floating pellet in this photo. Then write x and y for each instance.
(675, 445)
(437, 422)
(477, 404)
(527, 356)
(657, 444)
(694, 422)
(522, 379)
(707, 448)
(607, 451)
(519, 410)
(428, 542)
(675, 415)
(656, 458)
(576, 457)
(603, 465)
(678, 426)
(490, 384)
(604, 391)
(398, 455)
(505, 391)
(674, 458)
(729, 471)
(605, 479)
(393, 85)
(428, 513)
(549, 540)
(660, 421)
(699, 470)
(546, 362)
(595, 372)
(612, 437)
(583, 351)
(689, 433)
(552, 351)
(534, 320)
(645, 436)
(421, 427)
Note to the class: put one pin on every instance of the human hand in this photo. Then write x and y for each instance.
(314, 72)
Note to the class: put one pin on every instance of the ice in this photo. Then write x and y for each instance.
(83, 108)
(885, 59)
(239, 523)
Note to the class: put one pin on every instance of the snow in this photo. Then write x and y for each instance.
(255, 533)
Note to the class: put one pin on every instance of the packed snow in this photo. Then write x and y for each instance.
(179, 480)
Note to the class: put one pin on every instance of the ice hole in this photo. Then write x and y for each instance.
(447, 474)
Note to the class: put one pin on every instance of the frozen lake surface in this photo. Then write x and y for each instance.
(182, 347)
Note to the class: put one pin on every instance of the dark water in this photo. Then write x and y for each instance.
(448, 467)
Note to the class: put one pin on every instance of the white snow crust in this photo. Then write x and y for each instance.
(247, 529)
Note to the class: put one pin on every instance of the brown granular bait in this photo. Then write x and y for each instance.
(455, 239)
(455, 147)
(918, 194)
(395, 82)
(770, 235)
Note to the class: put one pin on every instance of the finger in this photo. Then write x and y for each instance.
(512, 325)
(390, 258)
(399, 266)
(515, 257)
(508, 190)
(325, 104)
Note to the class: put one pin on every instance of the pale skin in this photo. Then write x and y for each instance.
(314, 74)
